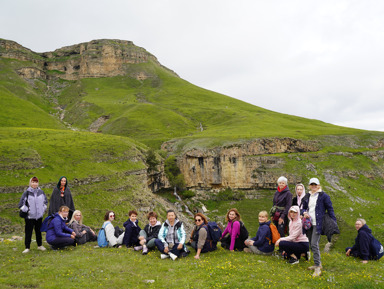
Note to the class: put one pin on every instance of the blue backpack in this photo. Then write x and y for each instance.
(46, 222)
(102, 238)
(377, 249)
(214, 231)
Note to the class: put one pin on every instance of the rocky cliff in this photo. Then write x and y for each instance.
(257, 164)
(97, 58)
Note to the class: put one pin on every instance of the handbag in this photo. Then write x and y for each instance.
(276, 216)
(24, 214)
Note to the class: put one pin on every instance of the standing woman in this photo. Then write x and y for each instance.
(61, 196)
(232, 241)
(33, 201)
(83, 233)
(282, 201)
(300, 194)
(315, 205)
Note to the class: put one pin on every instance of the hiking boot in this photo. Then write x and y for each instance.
(173, 256)
(293, 261)
(317, 272)
(137, 248)
(26, 251)
(164, 256)
(41, 248)
(145, 250)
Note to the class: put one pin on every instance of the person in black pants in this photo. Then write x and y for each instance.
(33, 202)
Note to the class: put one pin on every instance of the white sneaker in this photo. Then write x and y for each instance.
(164, 256)
(173, 256)
(41, 248)
(25, 251)
(137, 248)
(317, 272)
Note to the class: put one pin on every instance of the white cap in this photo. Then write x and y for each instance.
(293, 209)
(314, 181)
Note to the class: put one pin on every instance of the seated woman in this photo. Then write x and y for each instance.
(150, 233)
(83, 233)
(58, 234)
(171, 237)
(201, 239)
(132, 230)
(262, 243)
(362, 247)
(110, 233)
(296, 243)
(230, 237)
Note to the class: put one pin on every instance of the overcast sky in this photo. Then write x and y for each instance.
(316, 59)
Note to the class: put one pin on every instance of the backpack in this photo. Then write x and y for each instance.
(102, 237)
(243, 231)
(275, 234)
(46, 222)
(377, 249)
(214, 231)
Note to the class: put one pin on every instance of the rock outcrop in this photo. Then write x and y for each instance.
(97, 58)
(241, 166)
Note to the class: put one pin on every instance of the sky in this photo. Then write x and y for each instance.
(316, 59)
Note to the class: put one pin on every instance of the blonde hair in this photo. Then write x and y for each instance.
(73, 217)
(264, 213)
(362, 221)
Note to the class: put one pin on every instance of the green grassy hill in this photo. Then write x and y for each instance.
(108, 170)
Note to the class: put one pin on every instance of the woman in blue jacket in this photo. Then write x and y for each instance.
(315, 205)
(262, 243)
(33, 201)
(362, 246)
(58, 234)
(171, 237)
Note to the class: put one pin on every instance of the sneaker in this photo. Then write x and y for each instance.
(137, 248)
(26, 251)
(317, 272)
(247, 250)
(164, 256)
(293, 261)
(145, 250)
(173, 256)
(41, 248)
(308, 256)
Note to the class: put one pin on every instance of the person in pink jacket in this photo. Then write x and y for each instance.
(297, 243)
(230, 237)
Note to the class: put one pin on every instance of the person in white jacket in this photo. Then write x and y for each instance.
(113, 241)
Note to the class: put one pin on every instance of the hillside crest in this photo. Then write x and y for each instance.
(97, 58)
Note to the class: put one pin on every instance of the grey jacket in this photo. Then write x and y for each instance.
(37, 203)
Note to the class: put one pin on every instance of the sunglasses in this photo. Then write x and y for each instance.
(112, 215)
(198, 220)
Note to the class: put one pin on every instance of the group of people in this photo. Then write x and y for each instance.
(299, 221)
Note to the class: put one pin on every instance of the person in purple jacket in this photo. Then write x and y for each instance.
(262, 243)
(282, 201)
(58, 234)
(230, 237)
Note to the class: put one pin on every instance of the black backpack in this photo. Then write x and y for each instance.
(243, 231)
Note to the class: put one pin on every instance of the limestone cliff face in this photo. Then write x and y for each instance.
(241, 166)
(97, 58)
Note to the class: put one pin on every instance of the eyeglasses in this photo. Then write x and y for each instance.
(198, 220)
(111, 215)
